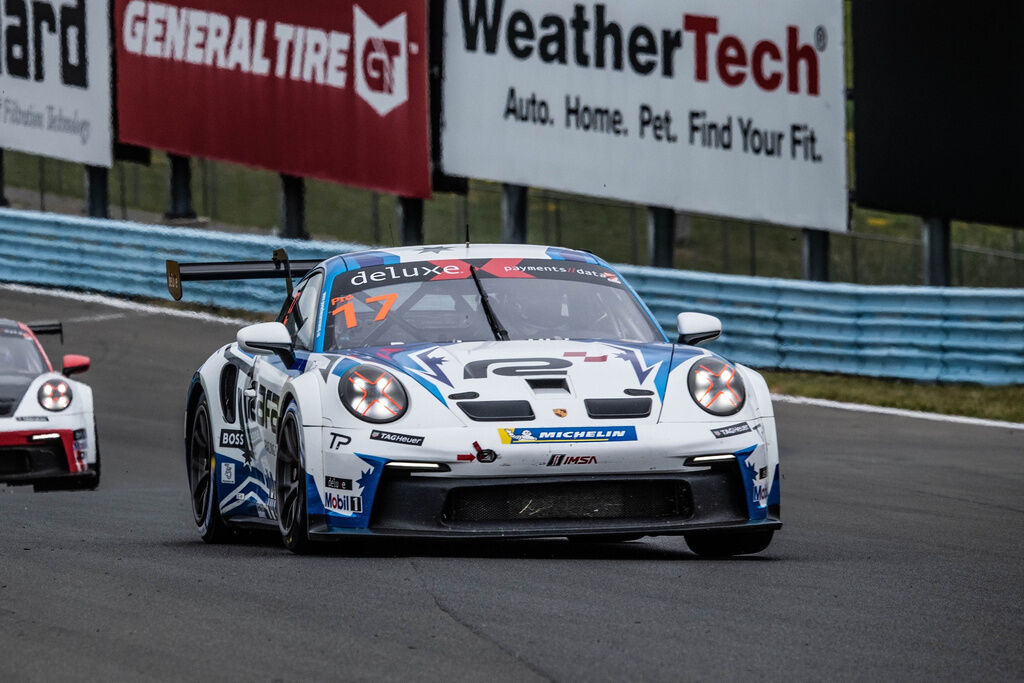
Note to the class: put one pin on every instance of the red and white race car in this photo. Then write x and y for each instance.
(47, 426)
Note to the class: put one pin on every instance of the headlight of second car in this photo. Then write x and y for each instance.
(54, 395)
(716, 386)
(373, 394)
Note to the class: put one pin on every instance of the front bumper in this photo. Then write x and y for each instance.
(42, 457)
(708, 498)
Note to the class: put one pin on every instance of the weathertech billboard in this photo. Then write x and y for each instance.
(55, 80)
(730, 108)
(327, 89)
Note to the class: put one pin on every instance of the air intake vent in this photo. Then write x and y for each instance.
(617, 408)
(569, 501)
(497, 411)
(548, 385)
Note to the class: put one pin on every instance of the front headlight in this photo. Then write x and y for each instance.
(55, 395)
(716, 386)
(373, 394)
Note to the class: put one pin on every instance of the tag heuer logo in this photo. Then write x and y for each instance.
(560, 412)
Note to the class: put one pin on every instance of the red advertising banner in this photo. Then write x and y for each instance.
(327, 89)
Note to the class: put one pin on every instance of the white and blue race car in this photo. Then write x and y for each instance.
(475, 391)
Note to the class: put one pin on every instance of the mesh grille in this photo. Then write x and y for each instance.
(570, 501)
(25, 459)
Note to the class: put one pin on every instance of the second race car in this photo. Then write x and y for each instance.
(47, 426)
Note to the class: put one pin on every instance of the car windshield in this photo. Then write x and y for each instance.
(19, 354)
(439, 301)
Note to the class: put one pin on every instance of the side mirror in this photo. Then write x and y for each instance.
(267, 338)
(74, 364)
(697, 328)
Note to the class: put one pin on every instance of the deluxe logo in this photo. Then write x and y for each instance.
(343, 503)
(338, 483)
(382, 76)
(531, 435)
(589, 39)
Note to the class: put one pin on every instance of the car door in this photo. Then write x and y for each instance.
(270, 374)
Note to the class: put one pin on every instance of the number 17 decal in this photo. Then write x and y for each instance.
(346, 305)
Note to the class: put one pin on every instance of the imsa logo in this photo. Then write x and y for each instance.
(559, 459)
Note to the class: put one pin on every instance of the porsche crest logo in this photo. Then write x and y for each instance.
(559, 412)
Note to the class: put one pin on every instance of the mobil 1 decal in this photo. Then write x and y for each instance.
(733, 108)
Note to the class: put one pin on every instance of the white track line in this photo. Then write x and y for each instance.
(123, 304)
(781, 398)
(898, 412)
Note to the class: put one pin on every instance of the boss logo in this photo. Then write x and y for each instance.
(232, 438)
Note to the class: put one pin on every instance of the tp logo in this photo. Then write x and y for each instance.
(382, 64)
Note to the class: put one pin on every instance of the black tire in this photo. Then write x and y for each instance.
(199, 459)
(711, 544)
(291, 484)
(92, 479)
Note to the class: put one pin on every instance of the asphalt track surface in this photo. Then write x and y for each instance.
(902, 557)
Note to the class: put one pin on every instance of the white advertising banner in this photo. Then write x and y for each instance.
(728, 107)
(55, 90)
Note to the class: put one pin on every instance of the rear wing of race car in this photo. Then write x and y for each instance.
(47, 327)
(279, 266)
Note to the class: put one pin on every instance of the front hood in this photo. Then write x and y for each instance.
(557, 378)
(12, 389)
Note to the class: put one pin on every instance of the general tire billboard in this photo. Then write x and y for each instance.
(329, 89)
(735, 108)
(55, 86)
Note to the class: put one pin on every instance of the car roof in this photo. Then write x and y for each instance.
(461, 251)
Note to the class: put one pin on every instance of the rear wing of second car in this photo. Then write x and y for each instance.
(278, 267)
(47, 327)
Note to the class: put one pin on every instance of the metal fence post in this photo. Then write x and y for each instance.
(816, 255)
(293, 207)
(410, 220)
(661, 239)
(936, 242)
(513, 214)
(3, 195)
(98, 191)
(179, 188)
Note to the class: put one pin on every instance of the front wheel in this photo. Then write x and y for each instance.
(202, 481)
(711, 544)
(291, 484)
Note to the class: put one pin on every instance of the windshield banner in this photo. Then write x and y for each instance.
(730, 108)
(55, 80)
(328, 89)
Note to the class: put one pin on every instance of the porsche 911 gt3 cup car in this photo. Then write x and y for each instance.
(47, 428)
(475, 391)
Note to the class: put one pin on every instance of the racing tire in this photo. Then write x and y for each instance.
(202, 485)
(291, 484)
(709, 544)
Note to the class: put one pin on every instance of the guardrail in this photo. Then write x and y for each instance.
(920, 333)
